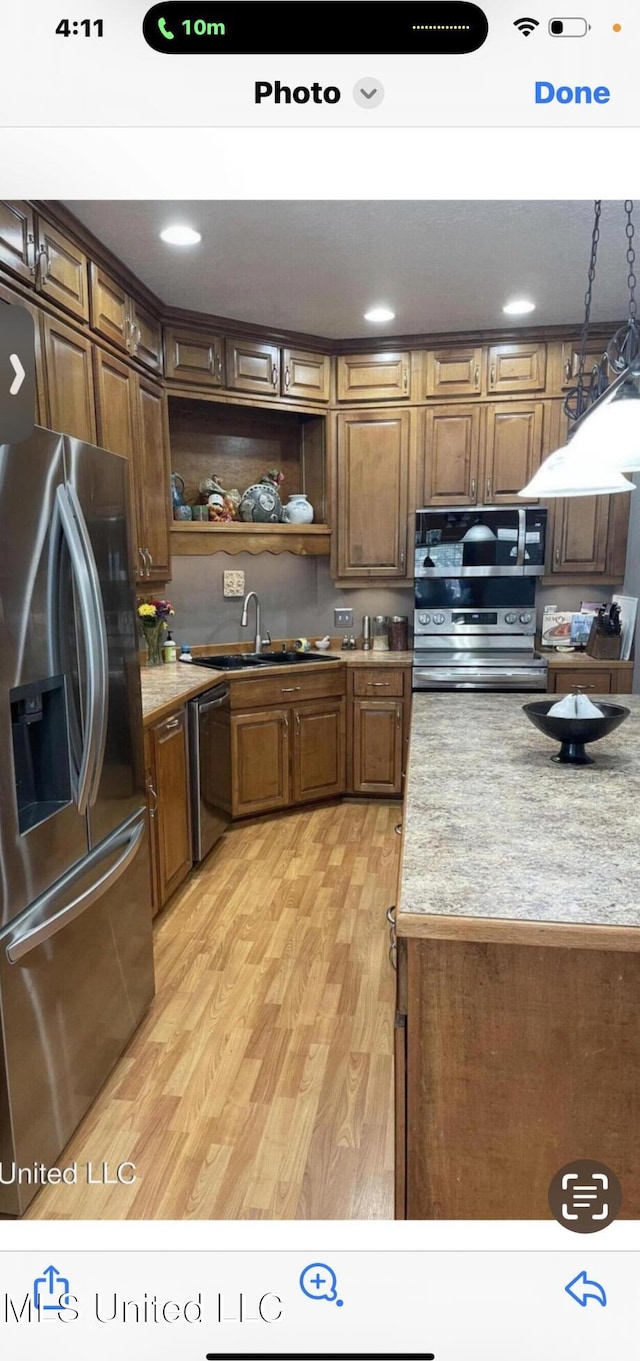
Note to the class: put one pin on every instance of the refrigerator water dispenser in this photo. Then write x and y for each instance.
(40, 750)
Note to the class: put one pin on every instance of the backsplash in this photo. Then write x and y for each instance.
(297, 597)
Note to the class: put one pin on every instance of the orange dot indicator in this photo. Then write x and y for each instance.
(617, 28)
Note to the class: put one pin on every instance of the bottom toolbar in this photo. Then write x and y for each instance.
(431, 1306)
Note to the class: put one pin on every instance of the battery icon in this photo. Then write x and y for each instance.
(568, 28)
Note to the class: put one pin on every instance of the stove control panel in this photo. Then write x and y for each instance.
(475, 623)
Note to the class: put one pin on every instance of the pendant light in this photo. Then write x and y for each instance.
(605, 439)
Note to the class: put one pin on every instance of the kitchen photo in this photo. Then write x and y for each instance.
(319, 709)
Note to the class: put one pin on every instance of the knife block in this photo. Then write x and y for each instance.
(604, 646)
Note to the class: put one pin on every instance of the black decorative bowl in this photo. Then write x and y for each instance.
(574, 733)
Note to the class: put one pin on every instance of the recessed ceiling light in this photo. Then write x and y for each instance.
(519, 307)
(180, 236)
(379, 314)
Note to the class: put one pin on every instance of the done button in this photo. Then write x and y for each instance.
(548, 93)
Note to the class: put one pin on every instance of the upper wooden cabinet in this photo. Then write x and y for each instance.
(569, 356)
(194, 357)
(385, 376)
(69, 380)
(152, 480)
(517, 368)
(8, 297)
(17, 239)
(253, 366)
(514, 448)
(580, 533)
(451, 449)
(62, 271)
(119, 318)
(372, 479)
(306, 375)
(115, 400)
(454, 373)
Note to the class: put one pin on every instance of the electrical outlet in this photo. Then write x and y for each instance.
(233, 584)
(343, 619)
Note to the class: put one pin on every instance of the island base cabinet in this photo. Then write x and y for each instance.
(519, 1059)
(168, 794)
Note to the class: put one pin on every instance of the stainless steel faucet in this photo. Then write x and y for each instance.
(260, 641)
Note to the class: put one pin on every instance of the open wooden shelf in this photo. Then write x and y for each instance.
(197, 539)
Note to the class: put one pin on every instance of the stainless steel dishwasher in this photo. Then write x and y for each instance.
(209, 767)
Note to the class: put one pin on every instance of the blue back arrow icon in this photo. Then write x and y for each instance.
(582, 1289)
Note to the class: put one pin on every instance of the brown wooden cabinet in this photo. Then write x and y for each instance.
(517, 368)
(119, 318)
(610, 678)
(152, 474)
(288, 739)
(253, 366)
(260, 779)
(569, 357)
(17, 239)
(379, 719)
(168, 789)
(451, 451)
(132, 420)
(62, 270)
(382, 376)
(305, 375)
(515, 444)
(454, 372)
(377, 746)
(69, 380)
(194, 357)
(319, 750)
(372, 481)
(580, 534)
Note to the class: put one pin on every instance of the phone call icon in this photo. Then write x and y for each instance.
(166, 32)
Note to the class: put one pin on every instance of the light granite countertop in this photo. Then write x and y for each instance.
(165, 687)
(494, 829)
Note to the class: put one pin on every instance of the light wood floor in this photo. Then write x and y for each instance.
(259, 1086)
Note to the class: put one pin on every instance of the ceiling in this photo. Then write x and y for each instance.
(318, 266)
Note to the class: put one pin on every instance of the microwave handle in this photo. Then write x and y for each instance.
(522, 536)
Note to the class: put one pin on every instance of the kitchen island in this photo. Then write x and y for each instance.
(518, 1025)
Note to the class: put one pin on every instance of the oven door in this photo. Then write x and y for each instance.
(460, 672)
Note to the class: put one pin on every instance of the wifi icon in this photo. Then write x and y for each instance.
(526, 26)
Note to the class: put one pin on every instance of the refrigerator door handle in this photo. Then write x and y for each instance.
(129, 838)
(88, 589)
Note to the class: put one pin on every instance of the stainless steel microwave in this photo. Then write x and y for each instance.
(480, 541)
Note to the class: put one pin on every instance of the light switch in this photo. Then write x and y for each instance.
(233, 584)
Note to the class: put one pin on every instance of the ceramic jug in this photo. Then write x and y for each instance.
(297, 510)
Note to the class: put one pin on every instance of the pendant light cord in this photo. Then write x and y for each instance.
(579, 398)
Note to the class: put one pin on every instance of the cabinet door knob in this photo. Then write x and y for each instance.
(289, 689)
(375, 684)
(143, 571)
(488, 488)
(43, 265)
(493, 375)
(557, 555)
(405, 379)
(473, 488)
(31, 253)
(274, 375)
(287, 376)
(402, 557)
(172, 723)
(477, 376)
(567, 370)
(151, 790)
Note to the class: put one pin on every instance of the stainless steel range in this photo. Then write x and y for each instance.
(475, 619)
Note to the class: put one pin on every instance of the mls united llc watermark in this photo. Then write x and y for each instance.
(93, 1174)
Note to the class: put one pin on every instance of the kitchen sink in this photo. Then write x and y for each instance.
(230, 661)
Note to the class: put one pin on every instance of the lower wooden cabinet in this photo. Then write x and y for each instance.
(287, 755)
(602, 678)
(167, 765)
(260, 776)
(380, 714)
(377, 746)
(319, 750)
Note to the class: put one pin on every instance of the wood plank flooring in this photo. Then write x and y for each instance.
(260, 1084)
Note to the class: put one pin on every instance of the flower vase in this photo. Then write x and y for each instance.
(154, 637)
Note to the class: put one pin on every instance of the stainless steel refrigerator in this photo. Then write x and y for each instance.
(76, 961)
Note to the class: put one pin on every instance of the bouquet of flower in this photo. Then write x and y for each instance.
(152, 617)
